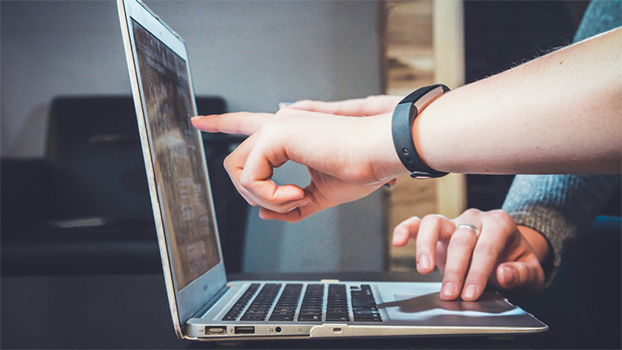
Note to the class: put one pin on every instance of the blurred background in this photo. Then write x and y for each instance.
(74, 197)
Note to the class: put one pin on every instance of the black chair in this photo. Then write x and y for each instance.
(86, 207)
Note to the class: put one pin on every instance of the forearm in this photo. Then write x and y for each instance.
(560, 113)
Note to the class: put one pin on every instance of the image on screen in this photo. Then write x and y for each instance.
(176, 155)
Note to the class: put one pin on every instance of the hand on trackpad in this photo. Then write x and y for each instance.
(419, 303)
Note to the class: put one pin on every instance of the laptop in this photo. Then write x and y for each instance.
(204, 305)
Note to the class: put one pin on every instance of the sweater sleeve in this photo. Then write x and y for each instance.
(561, 207)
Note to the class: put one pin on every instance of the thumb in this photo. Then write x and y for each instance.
(520, 275)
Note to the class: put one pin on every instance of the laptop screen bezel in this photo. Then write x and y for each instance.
(185, 302)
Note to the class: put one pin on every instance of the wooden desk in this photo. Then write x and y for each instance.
(122, 312)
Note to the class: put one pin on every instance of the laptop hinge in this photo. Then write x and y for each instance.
(203, 309)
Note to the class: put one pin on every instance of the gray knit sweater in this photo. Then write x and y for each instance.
(561, 207)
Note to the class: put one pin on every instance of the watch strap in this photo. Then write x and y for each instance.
(403, 118)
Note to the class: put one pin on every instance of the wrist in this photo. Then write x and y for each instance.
(383, 159)
(536, 240)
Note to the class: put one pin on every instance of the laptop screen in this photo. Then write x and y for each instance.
(181, 180)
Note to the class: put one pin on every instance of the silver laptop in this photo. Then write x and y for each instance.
(203, 304)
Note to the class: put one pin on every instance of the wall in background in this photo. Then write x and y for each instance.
(255, 54)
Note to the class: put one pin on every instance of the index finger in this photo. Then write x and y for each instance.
(241, 123)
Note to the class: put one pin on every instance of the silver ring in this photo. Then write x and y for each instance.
(470, 227)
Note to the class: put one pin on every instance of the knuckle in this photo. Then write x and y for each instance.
(400, 227)
(472, 212)
(503, 221)
(336, 107)
(500, 216)
(412, 221)
(245, 182)
(434, 220)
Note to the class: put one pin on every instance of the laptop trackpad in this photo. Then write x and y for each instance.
(423, 303)
(489, 303)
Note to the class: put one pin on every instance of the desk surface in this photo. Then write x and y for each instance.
(131, 312)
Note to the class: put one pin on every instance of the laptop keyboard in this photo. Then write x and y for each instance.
(315, 306)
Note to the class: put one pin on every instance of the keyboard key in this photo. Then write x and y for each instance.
(309, 317)
(337, 316)
(281, 318)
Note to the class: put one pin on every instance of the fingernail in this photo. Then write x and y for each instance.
(198, 117)
(424, 262)
(469, 292)
(448, 289)
(510, 275)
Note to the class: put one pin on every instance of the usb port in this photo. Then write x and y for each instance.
(244, 330)
(215, 330)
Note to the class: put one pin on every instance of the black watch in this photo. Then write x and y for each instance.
(402, 125)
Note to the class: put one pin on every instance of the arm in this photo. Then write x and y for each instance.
(540, 117)
(560, 113)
